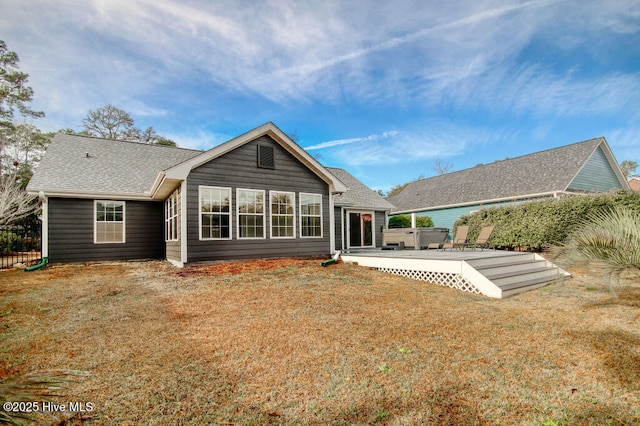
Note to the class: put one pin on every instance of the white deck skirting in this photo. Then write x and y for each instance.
(447, 279)
(468, 270)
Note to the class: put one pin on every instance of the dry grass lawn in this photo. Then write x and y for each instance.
(291, 342)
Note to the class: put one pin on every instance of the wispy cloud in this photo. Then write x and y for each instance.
(394, 42)
(436, 140)
(338, 142)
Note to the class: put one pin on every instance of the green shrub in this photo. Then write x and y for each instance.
(10, 242)
(424, 222)
(400, 221)
(538, 225)
(404, 221)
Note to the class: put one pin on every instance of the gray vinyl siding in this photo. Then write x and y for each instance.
(380, 225)
(596, 175)
(173, 251)
(238, 169)
(71, 232)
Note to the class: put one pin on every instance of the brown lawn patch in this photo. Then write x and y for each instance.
(290, 342)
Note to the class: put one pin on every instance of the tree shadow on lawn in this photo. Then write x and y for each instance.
(619, 354)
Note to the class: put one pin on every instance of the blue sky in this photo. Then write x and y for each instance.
(380, 88)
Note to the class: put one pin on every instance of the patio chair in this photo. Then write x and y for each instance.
(483, 239)
(460, 240)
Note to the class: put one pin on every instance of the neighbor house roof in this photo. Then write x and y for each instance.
(537, 174)
(76, 165)
(358, 195)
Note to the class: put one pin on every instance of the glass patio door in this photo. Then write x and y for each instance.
(360, 229)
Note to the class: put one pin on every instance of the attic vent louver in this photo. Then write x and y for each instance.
(266, 157)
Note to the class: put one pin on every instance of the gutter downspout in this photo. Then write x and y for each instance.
(342, 235)
(44, 238)
(40, 265)
(332, 225)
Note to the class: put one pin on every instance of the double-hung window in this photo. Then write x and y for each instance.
(310, 215)
(215, 213)
(109, 221)
(250, 213)
(283, 214)
(171, 217)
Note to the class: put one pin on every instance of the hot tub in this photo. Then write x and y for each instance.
(416, 238)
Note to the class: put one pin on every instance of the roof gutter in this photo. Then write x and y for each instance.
(93, 195)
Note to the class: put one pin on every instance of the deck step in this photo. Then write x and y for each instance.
(514, 276)
(549, 274)
(493, 261)
(498, 274)
(521, 261)
(500, 271)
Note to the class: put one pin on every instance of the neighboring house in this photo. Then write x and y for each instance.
(259, 195)
(583, 167)
(360, 213)
(634, 184)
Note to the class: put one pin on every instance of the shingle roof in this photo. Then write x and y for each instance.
(77, 164)
(358, 194)
(538, 173)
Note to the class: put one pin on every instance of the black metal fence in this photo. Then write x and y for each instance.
(20, 244)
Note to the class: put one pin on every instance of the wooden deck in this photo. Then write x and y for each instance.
(494, 273)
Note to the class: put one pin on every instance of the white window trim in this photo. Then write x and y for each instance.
(302, 194)
(200, 187)
(169, 217)
(264, 219)
(271, 214)
(95, 222)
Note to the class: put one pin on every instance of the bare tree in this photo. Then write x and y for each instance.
(15, 203)
(628, 168)
(441, 167)
(110, 122)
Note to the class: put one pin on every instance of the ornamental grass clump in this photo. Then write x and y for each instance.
(611, 237)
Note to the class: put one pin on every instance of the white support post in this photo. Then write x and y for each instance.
(44, 249)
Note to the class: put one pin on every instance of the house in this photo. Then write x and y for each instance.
(259, 195)
(634, 183)
(583, 167)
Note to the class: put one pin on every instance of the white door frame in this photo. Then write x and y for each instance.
(347, 219)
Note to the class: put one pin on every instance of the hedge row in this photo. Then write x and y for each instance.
(536, 226)
(404, 221)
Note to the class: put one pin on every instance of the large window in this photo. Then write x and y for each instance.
(215, 213)
(250, 213)
(310, 215)
(109, 224)
(283, 214)
(171, 217)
